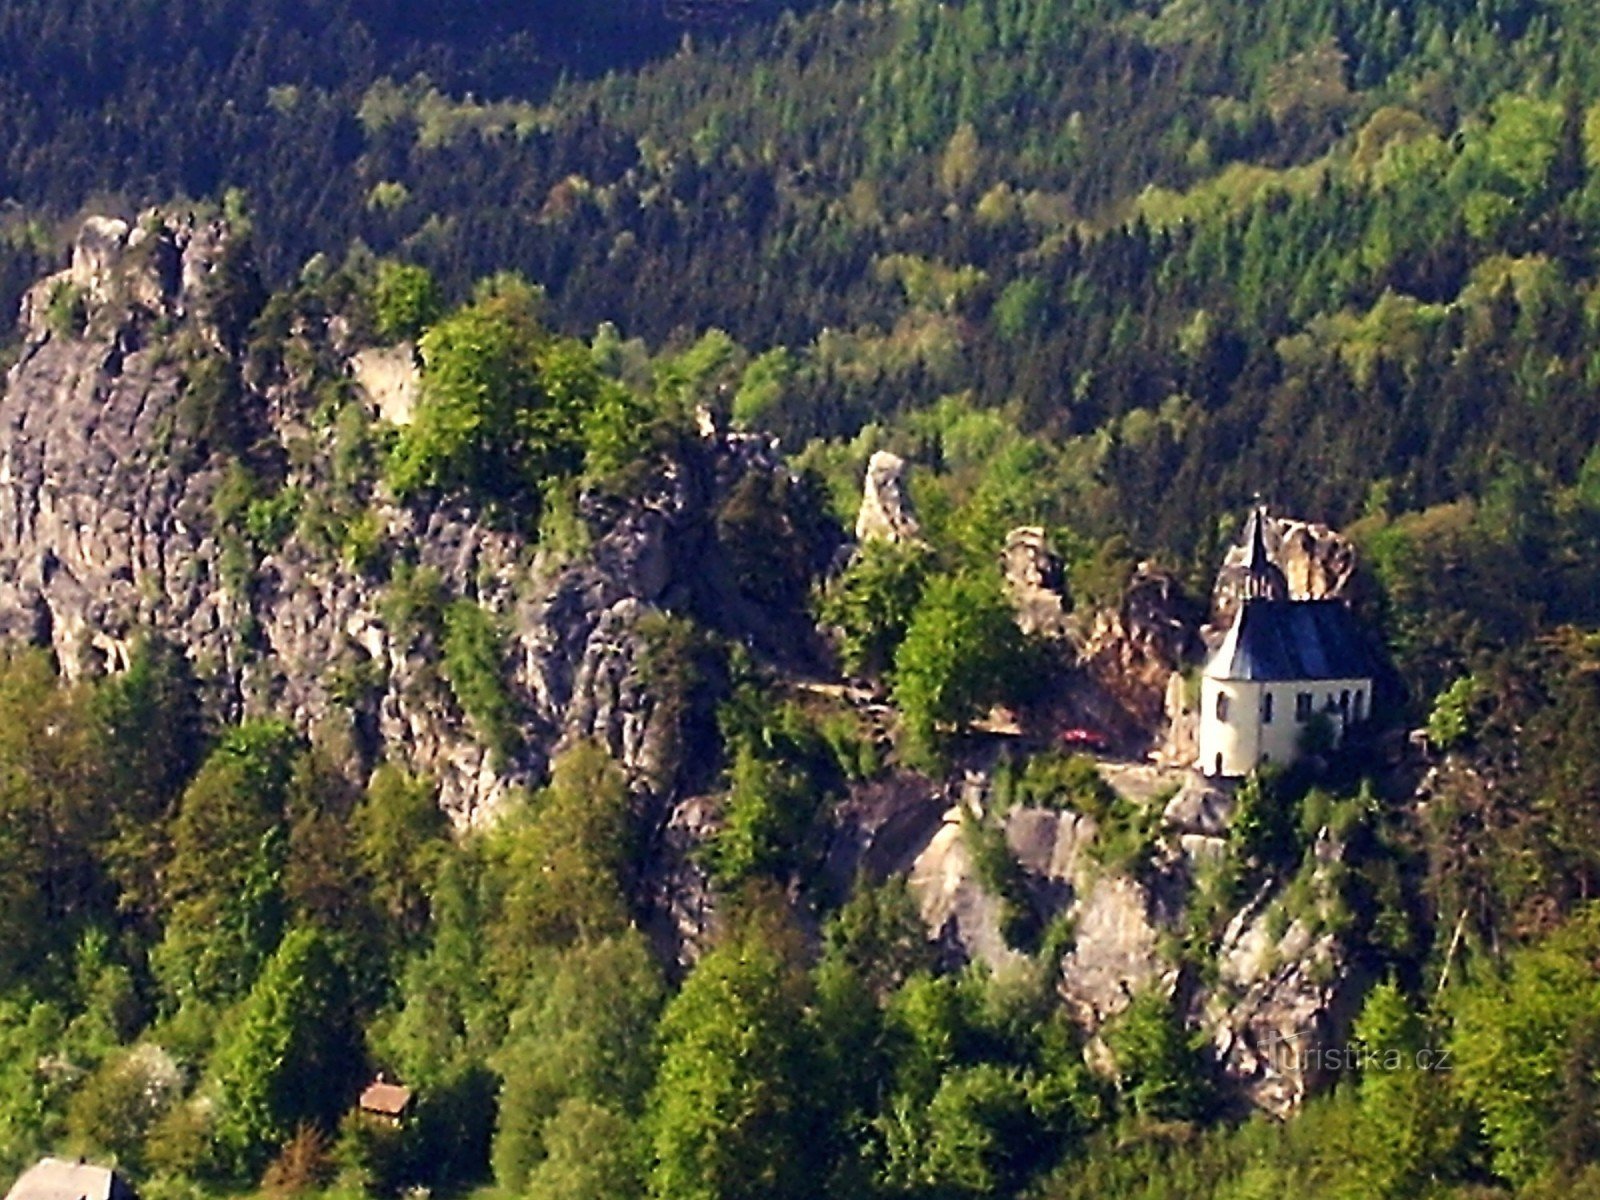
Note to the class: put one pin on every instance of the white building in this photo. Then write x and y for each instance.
(1282, 663)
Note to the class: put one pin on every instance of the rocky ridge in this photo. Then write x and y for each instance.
(112, 462)
(110, 530)
(1284, 988)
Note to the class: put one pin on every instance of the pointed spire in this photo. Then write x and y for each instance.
(1263, 580)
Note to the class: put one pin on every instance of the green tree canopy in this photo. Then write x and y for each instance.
(872, 601)
(405, 300)
(1525, 1047)
(726, 1116)
(223, 896)
(584, 1036)
(962, 652)
(289, 1056)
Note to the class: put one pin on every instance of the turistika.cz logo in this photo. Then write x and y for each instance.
(1353, 1057)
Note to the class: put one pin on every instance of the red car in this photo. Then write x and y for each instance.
(1087, 739)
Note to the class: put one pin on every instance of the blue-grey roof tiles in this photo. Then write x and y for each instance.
(1279, 640)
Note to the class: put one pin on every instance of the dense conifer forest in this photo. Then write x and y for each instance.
(1105, 266)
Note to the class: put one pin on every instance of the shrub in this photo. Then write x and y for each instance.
(405, 298)
(1159, 1072)
(962, 652)
(1451, 722)
(766, 817)
(1057, 781)
(66, 310)
(474, 653)
(872, 601)
(269, 519)
(413, 603)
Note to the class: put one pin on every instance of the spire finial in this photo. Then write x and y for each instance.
(1263, 580)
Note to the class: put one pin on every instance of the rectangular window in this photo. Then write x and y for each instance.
(1266, 708)
(1302, 706)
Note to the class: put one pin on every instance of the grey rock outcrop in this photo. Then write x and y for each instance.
(390, 378)
(886, 513)
(1285, 989)
(1288, 993)
(1132, 650)
(1036, 580)
(110, 529)
(965, 920)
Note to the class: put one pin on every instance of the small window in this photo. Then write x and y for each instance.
(1218, 771)
(1266, 708)
(1356, 713)
(1302, 706)
(1222, 706)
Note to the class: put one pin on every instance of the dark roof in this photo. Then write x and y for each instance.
(58, 1179)
(386, 1099)
(1263, 578)
(1292, 639)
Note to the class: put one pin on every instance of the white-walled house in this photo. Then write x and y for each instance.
(1282, 663)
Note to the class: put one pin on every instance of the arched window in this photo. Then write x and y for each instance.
(1222, 706)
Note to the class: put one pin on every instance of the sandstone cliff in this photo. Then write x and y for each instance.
(143, 394)
(1282, 986)
(178, 460)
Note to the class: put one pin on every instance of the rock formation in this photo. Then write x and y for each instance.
(133, 373)
(390, 378)
(1037, 582)
(1132, 650)
(886, 512)
(1287, 993)
(1285, 989)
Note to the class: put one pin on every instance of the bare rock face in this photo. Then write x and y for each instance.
(886, 512)
(1318, 564)
(1118, 950)
(682, 917)
(110, 469)
(1285, 990)
(1120, 921)
(389, 376)
(1181, 707)
(1287, 995)
(881, 829)
(965, 920)
(1036, 580)
(1133, 650)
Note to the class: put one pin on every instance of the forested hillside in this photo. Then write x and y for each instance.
(1105, 267)
(1168, 230)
